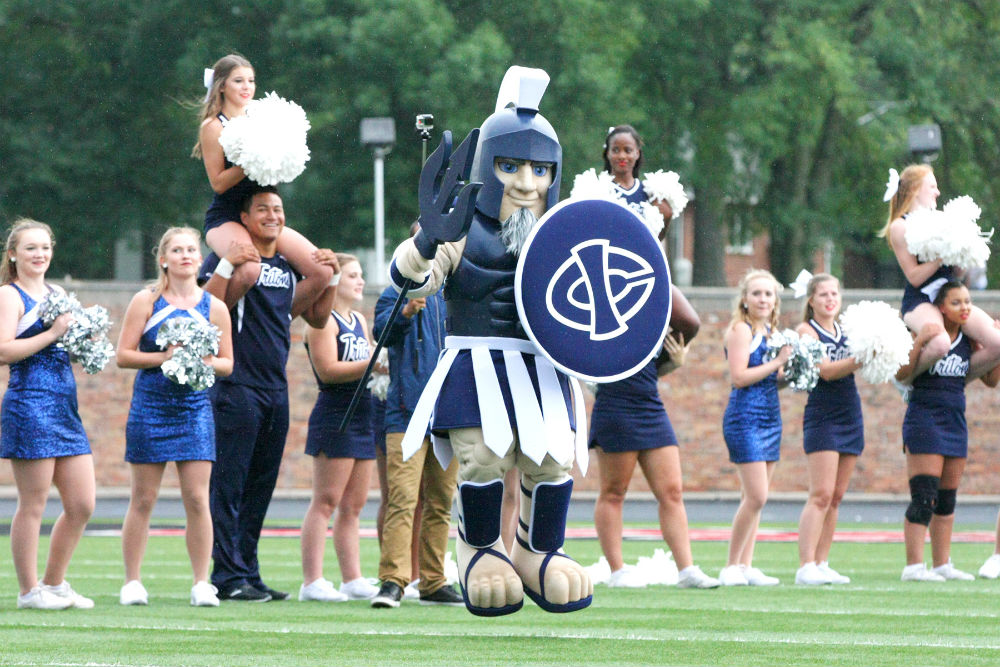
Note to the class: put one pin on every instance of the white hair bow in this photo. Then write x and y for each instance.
(801, 284)
(208, 77)
(892, 186)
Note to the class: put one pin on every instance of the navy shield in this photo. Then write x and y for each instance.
(593, 289)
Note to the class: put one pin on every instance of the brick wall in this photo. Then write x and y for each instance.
(695, 397)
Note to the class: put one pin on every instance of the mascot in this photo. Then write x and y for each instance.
(494, 401)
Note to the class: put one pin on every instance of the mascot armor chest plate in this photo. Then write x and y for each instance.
(480, 292)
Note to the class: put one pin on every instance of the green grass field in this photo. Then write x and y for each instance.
(876, 620)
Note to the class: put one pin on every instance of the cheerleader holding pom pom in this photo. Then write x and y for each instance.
(231, 86)
(169, 420)
(40, 428)
(910, 194)
(832, 430)
(752, 421)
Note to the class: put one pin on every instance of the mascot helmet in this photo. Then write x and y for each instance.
(516, 130)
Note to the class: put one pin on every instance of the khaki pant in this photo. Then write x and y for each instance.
(404, 480)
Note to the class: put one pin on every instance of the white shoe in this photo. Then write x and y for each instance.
(991, 568)
(321, 590)
(359, 589)
(204, 594)
(133, 592)
(39, 598)
(64, 590)
(952, 573)
(757, 578)
(693, 577)
(919, 572)
(810, 575)
(626, 577)
(412, 592)
(732, 575)
(831, 574)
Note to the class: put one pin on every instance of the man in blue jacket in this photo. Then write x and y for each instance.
(414, 342)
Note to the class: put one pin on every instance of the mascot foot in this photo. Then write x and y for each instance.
(490, 586)
(553, 580)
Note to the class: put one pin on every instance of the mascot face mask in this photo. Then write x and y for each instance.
(526, 185)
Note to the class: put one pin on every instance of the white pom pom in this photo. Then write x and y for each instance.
(593, 185)
(268, 141)
(877, 339)
(652, 217)
(378, 383)
(599, 572)
(665, 186)
(658, 570)
(951, 234)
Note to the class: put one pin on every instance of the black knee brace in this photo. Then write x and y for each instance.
(923, 498)
(946, 502)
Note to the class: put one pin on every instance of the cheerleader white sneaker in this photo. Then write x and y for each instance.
(835, 577)
(757, 578)
(412, 590)
(204, 594)
(810, 575)
(133, 592)
(626, 577)
(359, 589)
(732, 575)
(991, 568)
(39, 598)
(919, 572)
(693, 577)
(64, 590)
(321, 590)
(952, 573)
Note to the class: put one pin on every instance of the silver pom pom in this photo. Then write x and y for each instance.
(802, 368)
(86, 339)
(194, 342)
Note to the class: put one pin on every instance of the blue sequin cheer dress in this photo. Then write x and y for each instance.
(168, 421)
(39, 418)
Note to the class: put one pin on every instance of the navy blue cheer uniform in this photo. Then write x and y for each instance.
(832, 419)
(358, 439)
(225, 206)
(935, 416)
(39, 417)
(169, 421)
(752, 422)
(628, 415)
(251, 421)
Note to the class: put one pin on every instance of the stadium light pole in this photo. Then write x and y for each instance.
(379, 134)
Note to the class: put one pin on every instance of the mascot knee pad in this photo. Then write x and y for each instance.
(549, 507)
(479, 512)
(923, 498)
(946, 502)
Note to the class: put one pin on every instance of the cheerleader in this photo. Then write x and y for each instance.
(168, 421)
(231, 86)
(342, 462)
(622, 157)
(832, 431)
(935, 435)
(40, 428)
(751, 425)
(917, 188)
(629, 426)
